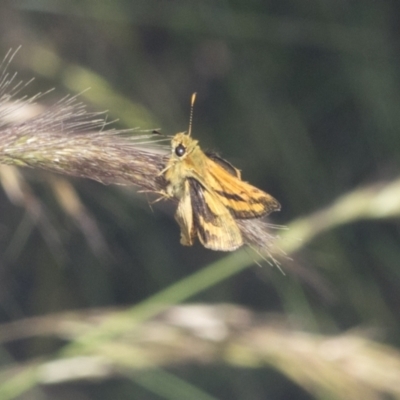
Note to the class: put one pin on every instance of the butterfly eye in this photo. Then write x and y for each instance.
(180, 150)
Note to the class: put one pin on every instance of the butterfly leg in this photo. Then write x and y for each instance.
(162, 195)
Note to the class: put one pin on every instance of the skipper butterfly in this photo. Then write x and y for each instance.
(211, 194)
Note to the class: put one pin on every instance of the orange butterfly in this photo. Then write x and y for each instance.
(211, 195)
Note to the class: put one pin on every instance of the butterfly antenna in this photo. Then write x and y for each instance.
(191, 113)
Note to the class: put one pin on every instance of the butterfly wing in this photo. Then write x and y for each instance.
(212, 221)
(184, 217)
(226, 165)
(240, 198)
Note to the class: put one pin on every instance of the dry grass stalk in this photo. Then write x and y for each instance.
(67, 139)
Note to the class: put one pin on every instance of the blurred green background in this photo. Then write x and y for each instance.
(303, 97)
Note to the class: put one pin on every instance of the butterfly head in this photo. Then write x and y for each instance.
(182, 145)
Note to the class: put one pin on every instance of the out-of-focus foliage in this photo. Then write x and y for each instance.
(304, 98)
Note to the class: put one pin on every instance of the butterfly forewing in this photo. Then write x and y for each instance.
(226, 165)
(242, 199)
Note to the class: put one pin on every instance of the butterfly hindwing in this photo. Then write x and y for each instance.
(212, 221)
(184, 217)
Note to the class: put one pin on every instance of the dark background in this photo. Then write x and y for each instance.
(303, 97)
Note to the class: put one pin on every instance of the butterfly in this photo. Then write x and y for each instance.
(211, 195)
